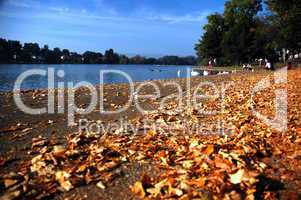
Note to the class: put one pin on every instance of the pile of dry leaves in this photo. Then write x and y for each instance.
(251, 162)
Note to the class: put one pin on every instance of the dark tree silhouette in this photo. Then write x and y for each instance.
(14, 52)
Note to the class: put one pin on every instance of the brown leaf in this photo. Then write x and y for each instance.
(222, 163)
(200, 182)
(9, 182)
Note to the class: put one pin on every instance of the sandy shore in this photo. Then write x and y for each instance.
(20, 132)
(14, 121)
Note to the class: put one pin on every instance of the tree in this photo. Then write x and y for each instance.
(44, 53)
(10, 51)
(92, 57)
(232, 37)
(240, 26)
(30, 52)
(287, 13)
(210, 45)
(57, 55)
(151, 61)
(4, 54)
(170, 60)
(189, 60)
(53, 57)
(265, 45)
(111, 57)
(65, 58)
(137, 60)
(123, 59)
(14, 50)
(76, 58)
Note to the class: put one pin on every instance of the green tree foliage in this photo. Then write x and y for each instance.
(243, 33)
(264, 45)
(287, 14)
(240, 29)
(228, 37)
(210, 45)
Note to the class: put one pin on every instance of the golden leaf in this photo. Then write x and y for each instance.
(138, 189)
(208, 150)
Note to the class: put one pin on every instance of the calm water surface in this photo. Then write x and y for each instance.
(89, 73)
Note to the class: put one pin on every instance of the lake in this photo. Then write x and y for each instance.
(89, 73)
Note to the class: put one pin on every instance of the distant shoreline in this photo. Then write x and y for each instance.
(15, 52)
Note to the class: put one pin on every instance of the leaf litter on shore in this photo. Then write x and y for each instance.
(252, 161)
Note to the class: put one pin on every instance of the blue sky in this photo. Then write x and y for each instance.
(146, 27)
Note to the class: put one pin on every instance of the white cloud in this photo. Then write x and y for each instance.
(109, 13)
(23, 3)
(84, 17)
(198, 17)
(33, 4)
(59, 9)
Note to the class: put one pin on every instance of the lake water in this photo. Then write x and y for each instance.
(89, 73)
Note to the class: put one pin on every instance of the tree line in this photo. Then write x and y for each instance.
(250, 30)
(13, 52)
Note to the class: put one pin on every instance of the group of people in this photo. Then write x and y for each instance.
(247, 67)
(212, 63)
(267, 65)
